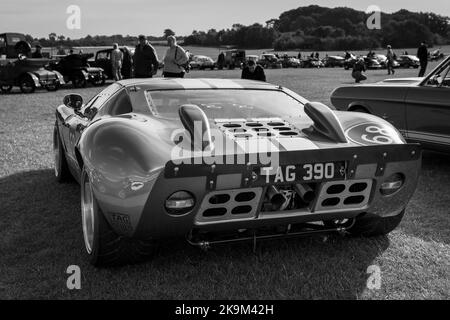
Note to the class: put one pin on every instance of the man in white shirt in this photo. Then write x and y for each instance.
(116, 62)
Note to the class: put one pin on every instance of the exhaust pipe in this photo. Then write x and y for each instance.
(305, 192)
(276, 198)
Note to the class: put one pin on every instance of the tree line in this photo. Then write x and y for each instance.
(311, 27)
(321, 28)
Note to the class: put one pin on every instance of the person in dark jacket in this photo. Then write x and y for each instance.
(422, 54)
(37, 54)
(221, 60)
(358, 70)
(252, 71)
(145, 59)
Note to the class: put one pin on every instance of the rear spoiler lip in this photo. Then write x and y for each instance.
(245, 164)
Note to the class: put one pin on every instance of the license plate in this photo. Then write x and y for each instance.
(307, 172)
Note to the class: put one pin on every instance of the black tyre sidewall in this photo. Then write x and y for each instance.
(30, 82)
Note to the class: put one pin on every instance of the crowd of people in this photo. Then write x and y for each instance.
(176, 61)
(359, 67)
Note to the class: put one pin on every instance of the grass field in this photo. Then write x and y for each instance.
(40, 228)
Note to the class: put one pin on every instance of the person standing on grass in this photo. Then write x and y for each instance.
(145, 59)
(358, 70)
(422, 54)
(390, 60)
(116, 62)
(37, 54)
(252, 71)
(174, 60)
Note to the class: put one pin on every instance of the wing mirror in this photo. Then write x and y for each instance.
(73, 101)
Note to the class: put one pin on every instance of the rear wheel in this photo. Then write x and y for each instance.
(103, 245)
(99, 81)
(360, 109)
(79, 81)
(27, 85)
(6, 89)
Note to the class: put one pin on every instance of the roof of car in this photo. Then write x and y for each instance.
(189, 83)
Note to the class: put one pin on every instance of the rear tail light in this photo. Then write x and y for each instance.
(392, 184)
(179, 203)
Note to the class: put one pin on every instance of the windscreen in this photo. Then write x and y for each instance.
(225, 103)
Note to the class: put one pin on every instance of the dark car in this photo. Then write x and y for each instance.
(408, 61)
(13, 44)
(234, 58)
(312, 63)
(76, 69)
(333, 61)
(418, 107)
(28, 74)
(103, 60)
(18, 69)
(269, 61)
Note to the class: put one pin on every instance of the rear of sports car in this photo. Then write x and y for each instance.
(286, 182)
(256, 177)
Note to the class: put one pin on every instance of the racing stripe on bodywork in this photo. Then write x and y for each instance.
(257, 145)
(192, 84)
(223, 84)
(293, 144)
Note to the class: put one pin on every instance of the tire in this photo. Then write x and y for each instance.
(6, 89)
(79, 81)
(371, 225)
(360, 109)
(62, 172)
(99, 82)
(27, 85)
(103, 245)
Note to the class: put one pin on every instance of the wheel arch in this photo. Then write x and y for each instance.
(359, 105)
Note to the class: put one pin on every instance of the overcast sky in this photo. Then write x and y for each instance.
(151, 17)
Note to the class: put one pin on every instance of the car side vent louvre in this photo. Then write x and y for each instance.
(229, 204)
(348, 194)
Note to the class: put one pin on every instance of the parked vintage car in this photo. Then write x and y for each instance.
(103, 60)
(312, 63)
(290, 62)
(269, 61)
(28, 74)
(382, 60)
(333, 61)
(234, 58)
(436, 55)
(202, 62)
(249, 57)
(350, 61)
(418, 107)
(408, 61)
(13, 44)
(222, 160)
(76, 69)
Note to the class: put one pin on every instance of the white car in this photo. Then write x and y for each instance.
(202, 62)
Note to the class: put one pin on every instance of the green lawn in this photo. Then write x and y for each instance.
(40, 228)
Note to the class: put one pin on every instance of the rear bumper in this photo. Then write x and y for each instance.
(374, 164)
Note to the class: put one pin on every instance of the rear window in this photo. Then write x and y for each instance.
(225, 103)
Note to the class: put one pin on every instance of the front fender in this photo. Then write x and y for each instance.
(34, 78)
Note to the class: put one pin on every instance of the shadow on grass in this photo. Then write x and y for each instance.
(428, 213)
(41, 236)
